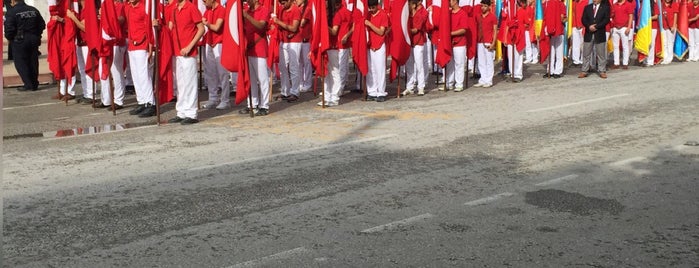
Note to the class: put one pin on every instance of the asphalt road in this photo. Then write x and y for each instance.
(546, 173)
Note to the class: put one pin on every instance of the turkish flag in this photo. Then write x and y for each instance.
(400, 43)
(320, 37)
(444, 48)
(273, 33)
(359, 37)
(93, 38)
(234, 42)
(166, 50)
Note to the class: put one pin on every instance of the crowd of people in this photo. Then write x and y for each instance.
(450, 37)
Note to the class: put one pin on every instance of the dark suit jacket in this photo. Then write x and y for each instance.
(600, 21)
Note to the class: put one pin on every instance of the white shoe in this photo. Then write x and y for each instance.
(407, 92)
(478, 85)
(223, 106)
(421, 92)
(487, 85)
(210, 104)
(458, 89)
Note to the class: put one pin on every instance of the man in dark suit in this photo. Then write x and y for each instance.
(595, 18)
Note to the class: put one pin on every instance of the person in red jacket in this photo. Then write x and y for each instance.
(487, 34)
(338, 54)
(554, 19)
(139, 47)
(669, 17)
(456, 68)
(622, 26)
(377, 26)
(187, 28)
(254, 27)
(305, 28)
(289, 50)
(217, 77)
(693, 11)
(416, 67)
(577, 35)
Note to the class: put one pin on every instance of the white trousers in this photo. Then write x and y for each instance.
(669, 46)
(531, 51)
(259, 82)
(141, 75)
(289, 68)
(63, 86)
(429, 60)
(515, 61)
(556, 55)
(617, 35)
(344, 57)
(416, 68)
(187, 92)
(306, 68)
(576, 47)
(117, 71)
(485, 64)
(376, 77)
(333, 78)
(456, 68)
(693, 44)
(85, 80)
(650, 60)
(216, 76)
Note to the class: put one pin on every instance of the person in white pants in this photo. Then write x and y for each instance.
(217, 77)
(694, 31)
(81, 52)
(305, 27)
(577, 35)
(416, 67)
(622, 21)
(488, 30)
(289, 50)
(187, 28)
(254, 26)
(339, 45)
(117, 73)
(670, 28)
(376, 56)
(138, 23)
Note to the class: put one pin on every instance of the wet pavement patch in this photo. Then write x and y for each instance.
(454, 227)
(562, 201)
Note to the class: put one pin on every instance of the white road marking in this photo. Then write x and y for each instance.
(62, 118)
(679, 147)
(577, 103)
(488, 199)
(629, 161)
(395, 224)
(274, 257)
(557, 180)
(292, 152)
(30, 106)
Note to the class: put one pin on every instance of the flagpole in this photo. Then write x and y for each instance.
(445, 76)
(201, 73)
(111, 91)
(252, 110)
(271, 72)
(156, 64)
(398, 90)
(94, 82)
(322, 84)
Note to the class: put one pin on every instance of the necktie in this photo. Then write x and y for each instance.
(594, 12)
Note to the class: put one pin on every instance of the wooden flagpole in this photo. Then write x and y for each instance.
(156, 64)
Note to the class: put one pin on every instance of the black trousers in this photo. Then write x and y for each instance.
(26, 58)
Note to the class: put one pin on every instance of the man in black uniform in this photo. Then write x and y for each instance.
(23, 28)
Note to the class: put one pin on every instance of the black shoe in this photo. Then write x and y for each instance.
(22, 89)
(262, 112)
(557, 76)
(85, 100)
(148, 111)
(284, 97)
(130, 90)
(116, 107)
(292, 98)
(245, 110)
(380, 99)
(138, 109)
(516, 80)
(370, 98)
(100, 105)
(175, 119)
(476, 76)
(547, 76)
(189, 121)
(173, 100)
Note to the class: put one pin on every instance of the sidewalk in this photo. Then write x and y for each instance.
(10, 76)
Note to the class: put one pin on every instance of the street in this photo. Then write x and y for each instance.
(545, 173)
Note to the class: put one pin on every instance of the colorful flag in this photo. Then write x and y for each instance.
(644, 33)
(538, 18)
(444, 48)
(360, 38)
(400, 45)
(660, 37)
(681, 40)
